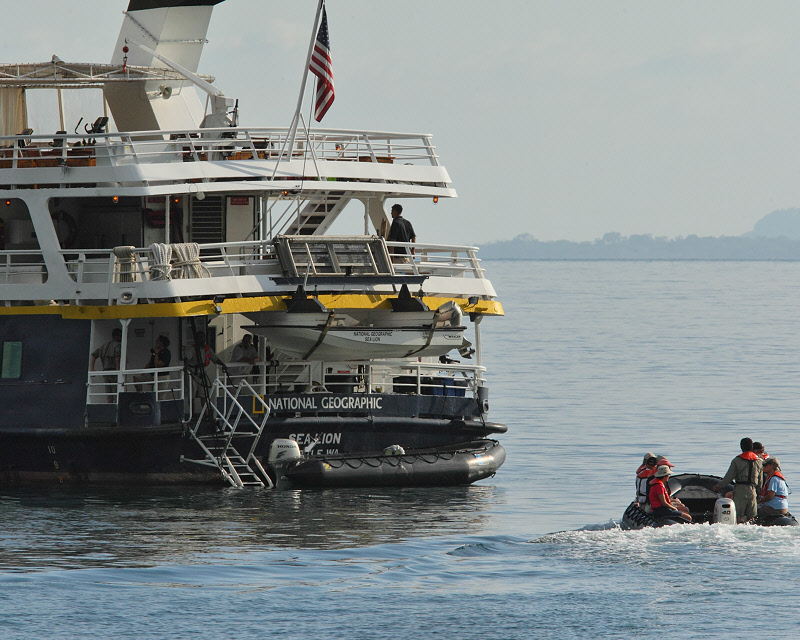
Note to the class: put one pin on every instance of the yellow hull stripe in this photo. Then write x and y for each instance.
(236, 305)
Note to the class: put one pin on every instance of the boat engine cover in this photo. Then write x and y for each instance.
(283, 450)
(724, 511)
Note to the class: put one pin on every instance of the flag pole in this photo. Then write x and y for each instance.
(296, 118)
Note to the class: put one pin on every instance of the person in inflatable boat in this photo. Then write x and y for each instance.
(660, 502)
(745, 472)
(660, 460)
(758, 449)
(775, 493)
(643, 474)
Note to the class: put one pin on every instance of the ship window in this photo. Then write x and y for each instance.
(12, 361)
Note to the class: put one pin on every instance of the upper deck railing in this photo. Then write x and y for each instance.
(225, 144)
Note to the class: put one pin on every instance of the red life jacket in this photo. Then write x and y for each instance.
(207, 351)
(748, 455)
(766, 482)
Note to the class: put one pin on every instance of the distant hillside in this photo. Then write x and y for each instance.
(775, 237)
(783, 223)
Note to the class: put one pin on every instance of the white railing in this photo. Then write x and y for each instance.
(294, 377)
(435, 259)
(367, 377)
(104, 387)
(427, 378)
(22, 267)
(255, 258)
(117, 149)
(215, 260)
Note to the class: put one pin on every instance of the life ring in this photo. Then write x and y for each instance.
(66, 229)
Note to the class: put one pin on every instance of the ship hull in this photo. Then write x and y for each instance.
(157, 455)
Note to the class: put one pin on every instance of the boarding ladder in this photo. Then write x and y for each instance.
(234, 425)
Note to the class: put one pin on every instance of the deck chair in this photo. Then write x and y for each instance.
(25, 132)
(99, 125)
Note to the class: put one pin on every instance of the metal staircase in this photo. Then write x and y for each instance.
(317, 215)
(216, 433)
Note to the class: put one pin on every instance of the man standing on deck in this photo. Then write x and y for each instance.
(401, 231)
(109, 355)
(745, 472)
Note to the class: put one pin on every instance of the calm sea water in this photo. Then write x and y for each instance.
(594, 364)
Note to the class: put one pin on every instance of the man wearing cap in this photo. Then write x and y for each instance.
(774, 496)
(745, 472)
(660, 501)
(643, 474)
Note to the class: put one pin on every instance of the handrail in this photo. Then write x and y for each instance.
(436, 259)
(365, 377)
(258, 257)
(22, 267)
(104, 387)
(221, 144)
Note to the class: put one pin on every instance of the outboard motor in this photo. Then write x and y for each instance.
(282, 452)
(724, 511)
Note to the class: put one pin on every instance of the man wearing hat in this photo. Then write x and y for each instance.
(774, 496)
(660, 501)
(745, 472)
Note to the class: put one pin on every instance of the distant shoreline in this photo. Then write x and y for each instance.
(496, 259)
(613, 246)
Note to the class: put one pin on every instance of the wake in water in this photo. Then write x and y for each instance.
(700, 545)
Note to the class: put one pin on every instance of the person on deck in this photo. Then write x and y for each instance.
(160, 356)
(243, 359)
(245, 351)
(774, 496)
(206, 353)
(109, 355)
(643, 474)
(745, 472)
(401, 231)
(660, 502)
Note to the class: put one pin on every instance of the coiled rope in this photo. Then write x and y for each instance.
(187, 263)
(160, 268)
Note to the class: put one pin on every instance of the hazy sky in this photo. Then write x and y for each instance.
(562, 119)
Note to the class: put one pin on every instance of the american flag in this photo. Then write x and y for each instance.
(321, 67)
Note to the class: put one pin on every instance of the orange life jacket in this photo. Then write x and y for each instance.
(766, 482)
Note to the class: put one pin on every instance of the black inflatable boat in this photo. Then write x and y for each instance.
(695, 491)
(444, 466)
